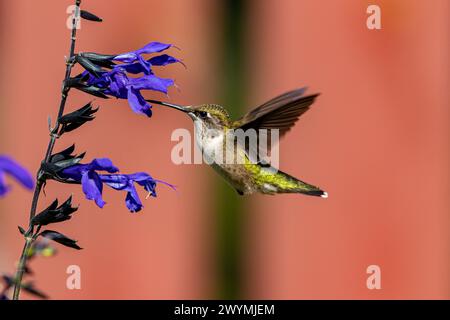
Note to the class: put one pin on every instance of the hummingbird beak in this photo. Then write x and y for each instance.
(171, 105)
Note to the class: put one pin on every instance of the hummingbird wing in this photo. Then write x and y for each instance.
(279, 113)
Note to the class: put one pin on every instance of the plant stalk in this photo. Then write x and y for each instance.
(29, 236)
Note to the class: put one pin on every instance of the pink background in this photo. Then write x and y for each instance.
(377, 140)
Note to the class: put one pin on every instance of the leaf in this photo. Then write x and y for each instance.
(54, 214)
(30, 288)
(58, 162)
(45, 216)
(60, 238)
(27, 270)
(97, 56)
(90, 16)
(76, 119)
(89, 66)
(103, 60)
(9, 282)
(69, 162)
(64, 154)
(78, 81)
(21, 230)
(98, 92)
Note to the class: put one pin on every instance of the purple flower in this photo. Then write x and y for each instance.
(92, 182)
(9, 167)
(118, 81)
(87, 175)
(126, 182)
(136, 56)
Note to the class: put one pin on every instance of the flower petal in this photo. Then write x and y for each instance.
(126, 57)
(162, 60)
(132, 200)
(115, 181)
(153, 47)
(133, 56)
(145, 65)
(103, 164)
(151, 82)
(74, 172)
(3, 187)
(15, 170)
(93, 187)
(118, 83)
(133, 68)
(138, 103)
(146, 181)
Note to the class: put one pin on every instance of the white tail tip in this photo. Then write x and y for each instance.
(324, 195)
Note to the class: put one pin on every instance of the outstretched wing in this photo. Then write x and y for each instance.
(279, 113)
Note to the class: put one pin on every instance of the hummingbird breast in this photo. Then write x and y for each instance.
(222, 157)
(209, 140)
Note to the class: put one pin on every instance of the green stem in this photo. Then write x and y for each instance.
(21, 268)
(28, 242)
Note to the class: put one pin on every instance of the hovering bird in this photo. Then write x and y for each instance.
(212, 124)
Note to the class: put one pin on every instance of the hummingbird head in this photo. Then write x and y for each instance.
(210, 116)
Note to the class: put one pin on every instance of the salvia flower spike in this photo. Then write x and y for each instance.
(126, 76)
(123, 76)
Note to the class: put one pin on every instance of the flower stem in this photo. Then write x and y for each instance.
(21, 268)
(29, 236)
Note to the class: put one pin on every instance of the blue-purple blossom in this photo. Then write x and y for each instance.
(11, 168)
(119, 83)
(87, 175)
(126, 183)
(92, 182)
(136, 56)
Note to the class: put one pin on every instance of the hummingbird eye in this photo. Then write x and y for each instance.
(203, 114)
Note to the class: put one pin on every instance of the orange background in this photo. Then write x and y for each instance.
(377, 140)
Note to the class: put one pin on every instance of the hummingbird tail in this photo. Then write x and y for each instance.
(294, 185)
(317, 193)
(310, 190)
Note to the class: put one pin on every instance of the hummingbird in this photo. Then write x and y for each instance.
(212, 123)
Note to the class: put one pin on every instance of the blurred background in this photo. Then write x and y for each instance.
(377, 140)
